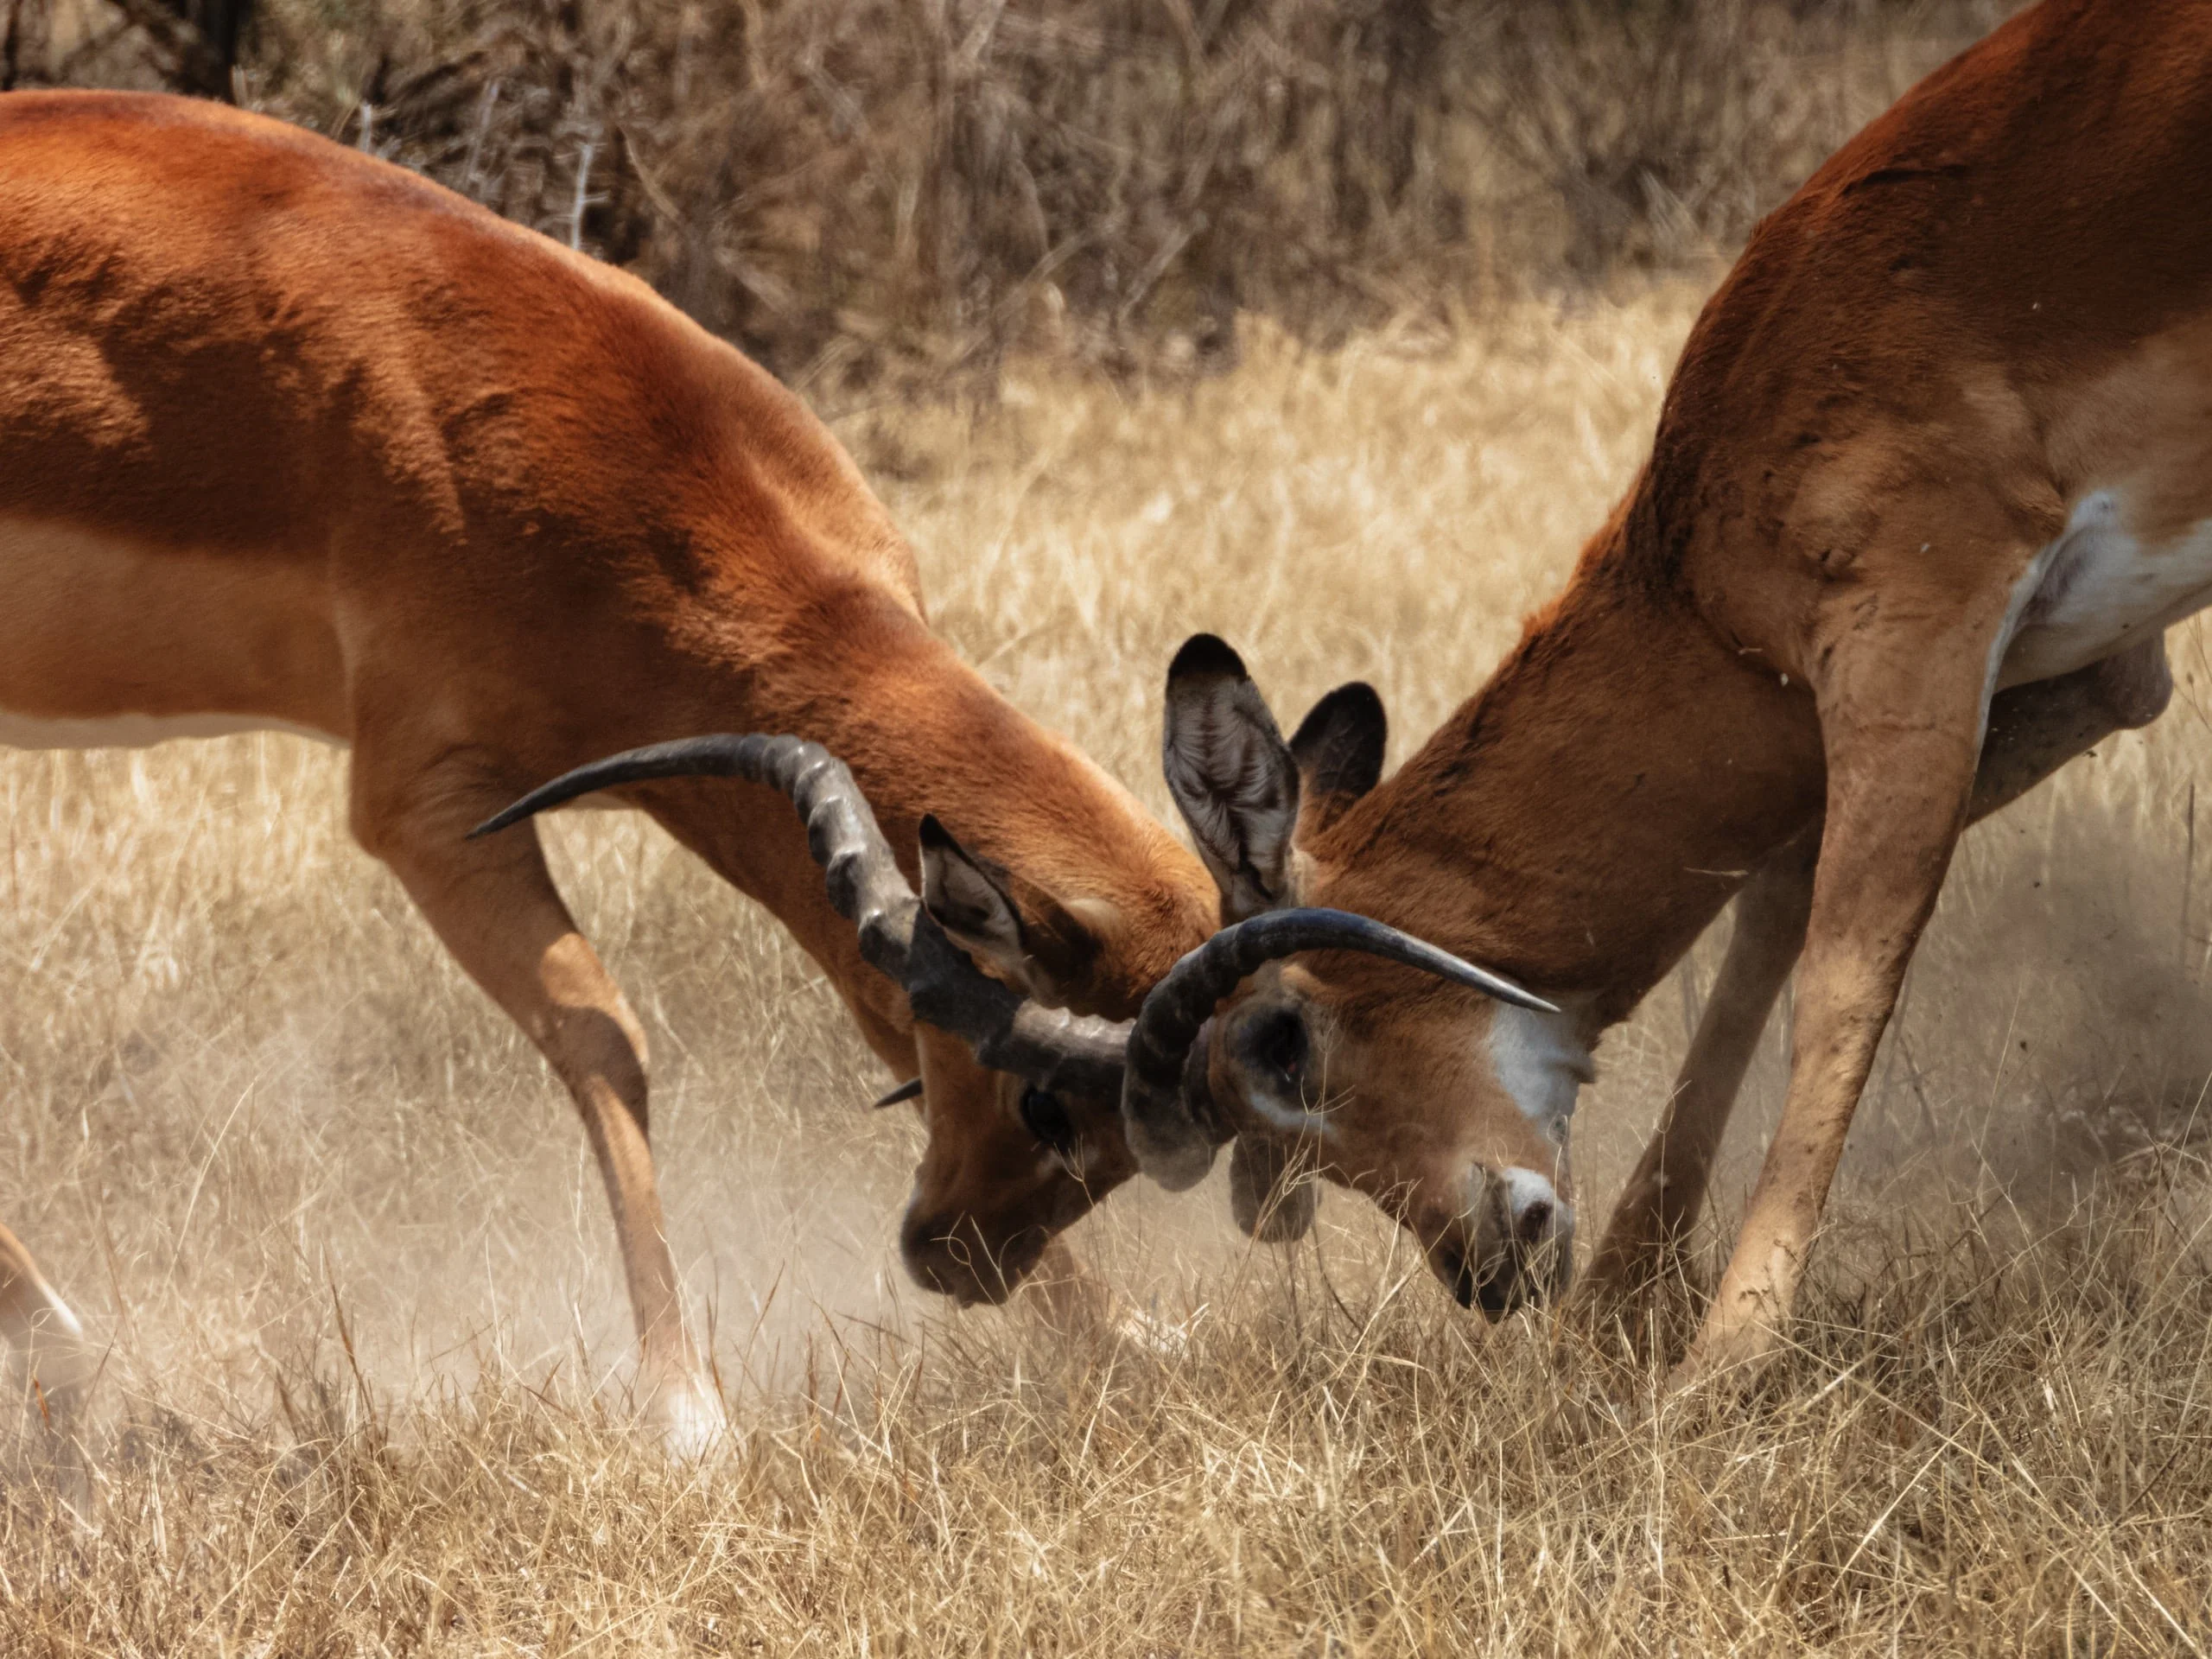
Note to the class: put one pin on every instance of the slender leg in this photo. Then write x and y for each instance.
(2033, 730)
(1901, 716)
(39, 1327)
(1664, 1195)
(495, 905)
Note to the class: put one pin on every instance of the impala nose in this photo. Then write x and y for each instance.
(953, 1256)
(1513, 1243)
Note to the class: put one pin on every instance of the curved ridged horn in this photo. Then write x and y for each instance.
(1170, 1144)
(1056, 1051)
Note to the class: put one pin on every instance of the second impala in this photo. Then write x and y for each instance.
(1933, 476)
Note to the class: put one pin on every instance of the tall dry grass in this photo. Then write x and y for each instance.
(367, 1344)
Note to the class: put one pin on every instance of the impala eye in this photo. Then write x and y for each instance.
(1277, 1045)
(1043, 1116)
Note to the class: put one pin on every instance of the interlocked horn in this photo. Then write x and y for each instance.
(1170, 1142)
(1054, 1050)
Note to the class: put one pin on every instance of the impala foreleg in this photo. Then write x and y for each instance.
(1664, 1195)
(493, 904)
(2033, 731)
(38, 1325)
(1901, 726)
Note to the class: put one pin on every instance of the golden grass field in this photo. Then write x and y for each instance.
(365, 1390)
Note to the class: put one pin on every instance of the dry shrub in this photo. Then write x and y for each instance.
(849, 187)
(1663, 129)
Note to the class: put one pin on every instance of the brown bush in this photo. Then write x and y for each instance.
(846, 186)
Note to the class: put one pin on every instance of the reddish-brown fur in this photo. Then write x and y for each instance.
(1996, 299)
(290, 435)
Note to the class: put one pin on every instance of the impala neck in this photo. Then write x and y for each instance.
(1580, 820)
(861, 674)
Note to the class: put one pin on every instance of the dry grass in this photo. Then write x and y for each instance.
(363, 1391)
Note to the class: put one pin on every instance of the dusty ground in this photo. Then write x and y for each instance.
(368, 1350)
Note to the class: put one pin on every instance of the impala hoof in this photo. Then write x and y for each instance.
(686, 1418)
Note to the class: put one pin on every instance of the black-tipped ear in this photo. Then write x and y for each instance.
(1231, 775)
(1338, 747)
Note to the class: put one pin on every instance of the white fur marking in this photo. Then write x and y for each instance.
(1525, 1188)
(136, 731)
(2101, 589)
(1291, 1119)
(1541, 1063)
(2024, 588)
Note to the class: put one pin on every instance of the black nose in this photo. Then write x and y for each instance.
(1532, 1221)
(949, 1258)
(1513, 1247)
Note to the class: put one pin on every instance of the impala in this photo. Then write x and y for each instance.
(1934, 473)
(292, 438)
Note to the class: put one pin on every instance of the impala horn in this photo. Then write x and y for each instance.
(1171, 1143)
(1056, 1051)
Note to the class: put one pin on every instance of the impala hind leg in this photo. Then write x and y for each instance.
(2033, 730)
(45, 1335)
(493, 904)
(2036, 729)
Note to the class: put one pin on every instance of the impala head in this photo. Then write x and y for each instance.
(1011, 1161)
(1020, 1077)
(1008, 1166)
(1441, 1090)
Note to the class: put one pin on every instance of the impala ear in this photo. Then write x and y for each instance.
(1338, 747)
(1014, 928)
(1231, 775)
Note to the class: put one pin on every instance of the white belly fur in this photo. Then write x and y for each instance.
(136, 731)
(2102, 590)
(109, 643)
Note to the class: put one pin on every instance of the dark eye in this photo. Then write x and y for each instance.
(1043, 1116)
(1277, 1044)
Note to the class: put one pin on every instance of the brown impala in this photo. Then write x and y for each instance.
(1934, 474)
(290, 437)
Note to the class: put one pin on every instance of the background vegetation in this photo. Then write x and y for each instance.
(849, 187)
(363, 1391)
